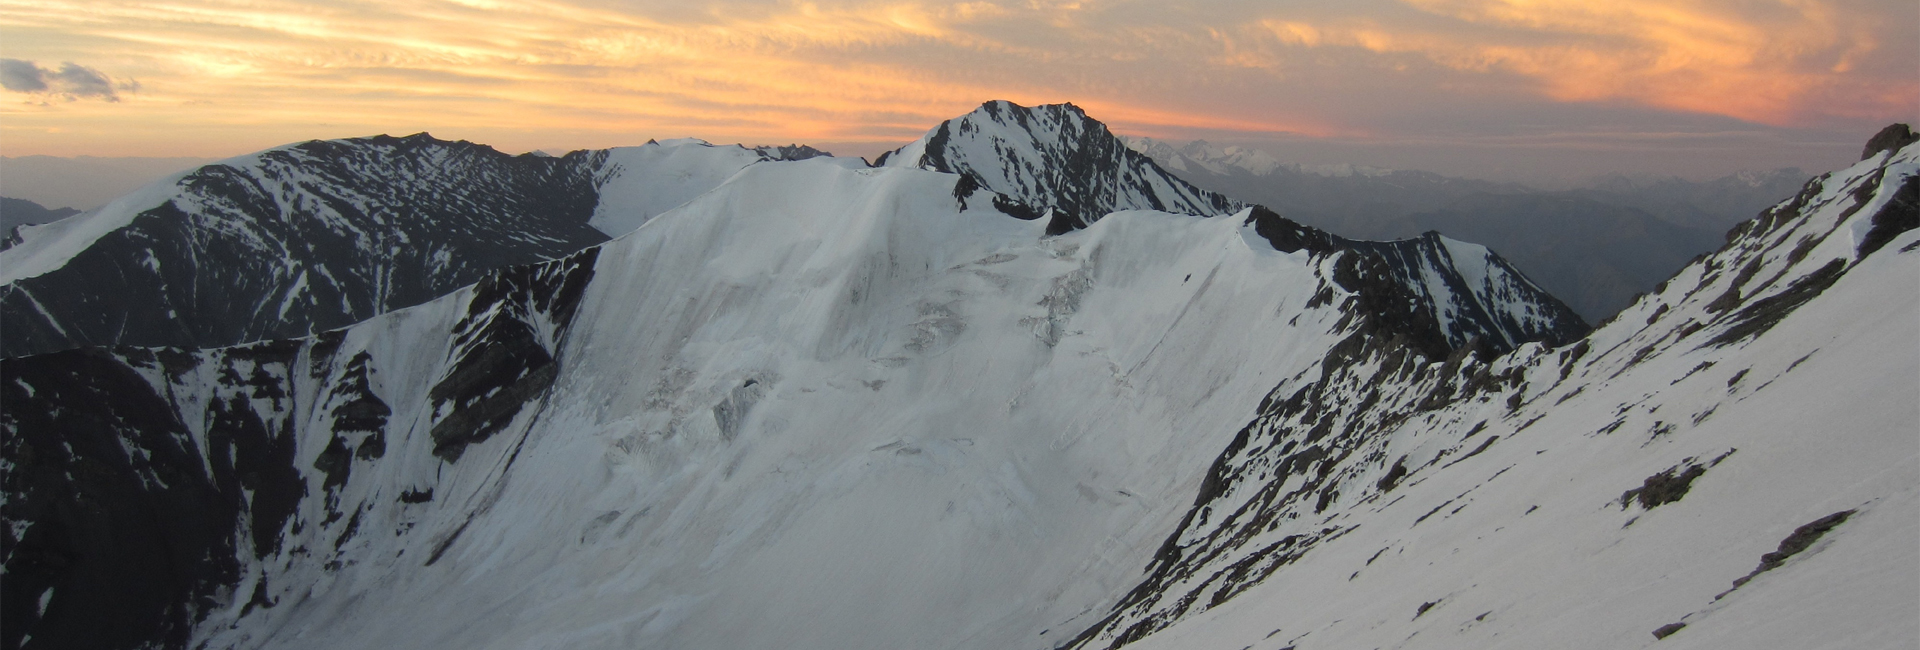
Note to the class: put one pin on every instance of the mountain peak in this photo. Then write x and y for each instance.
(1052, 160)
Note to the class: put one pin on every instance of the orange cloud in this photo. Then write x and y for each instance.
(1777, 66)
(213, 73)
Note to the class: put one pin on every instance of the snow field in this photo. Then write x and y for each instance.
(831, 398)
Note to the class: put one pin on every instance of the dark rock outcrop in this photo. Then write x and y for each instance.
(1892, 138)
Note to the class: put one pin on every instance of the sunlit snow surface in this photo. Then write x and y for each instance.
(819, 407)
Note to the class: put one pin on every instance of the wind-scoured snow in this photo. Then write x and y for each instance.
(290, 240)
(1496, 287)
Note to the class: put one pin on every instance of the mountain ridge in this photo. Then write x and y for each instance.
(330, 233)
(1635, 230)
(680, 363)
(1242, 529)
(382, 223)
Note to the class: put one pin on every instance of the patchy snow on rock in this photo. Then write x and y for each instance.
(323, 234)
(1053, 158)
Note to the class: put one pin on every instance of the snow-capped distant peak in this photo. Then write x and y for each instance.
(1343, 170)
(1205, 155)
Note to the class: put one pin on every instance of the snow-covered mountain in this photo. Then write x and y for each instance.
(1595, 256)
(813, 377)
(821, 405)
(323, 234)
(1729, 463)
(1597, 248)
(1052, 161)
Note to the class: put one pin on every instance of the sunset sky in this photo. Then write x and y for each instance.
(1487, 87)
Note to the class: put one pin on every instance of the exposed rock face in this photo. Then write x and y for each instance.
(505, 349)
(790, 152)
(1439, 293)
(146, 487)
(1893, 138)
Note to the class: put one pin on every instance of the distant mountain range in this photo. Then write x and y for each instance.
(1631, 243)
(84, 182)
(1631, 231)
(19, 212)
(321, 234)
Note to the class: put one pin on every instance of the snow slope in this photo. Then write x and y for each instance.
(322, 234)
(849, 370)
(812, 379)
(1729, 463)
